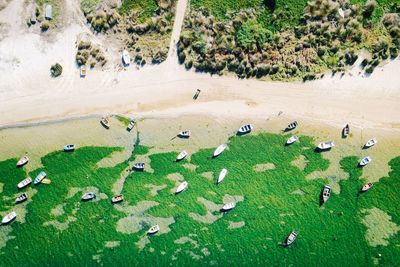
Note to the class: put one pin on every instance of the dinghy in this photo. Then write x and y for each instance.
(326, 145)
(24, 160)
(245, 129)
(126, 58)
(27, 181)
(138, 166)
(291, 126)
(21, 198)
(365, 161)
(105, 122)
(117, 199)
(88, 196)
(39, 178)
(46, 181)
(184, 134)
(181, 187)
(371, 142)
(366, 187)
(219, 150)
(131, 125)
(9, 217)
(83, 71)
(69, 148)
(291, 140)
(326, 192)
(291, 238)
(222, 175)
(154, 229)
(181, 155)
(346, 130)
(228, 206)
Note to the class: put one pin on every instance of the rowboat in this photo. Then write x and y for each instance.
(228, 206)
(219, 150)
(126, 58)
(291, 140)
(366, 187)
(181, 187)
(27, 181)
(326, 145)
(24, 160)
(39, 178)
(83, 71)
(222, 175)
(181, 155)
(117, 199)
(371, 142)
(184, 134)
(131, 125)
(326, 192)
(365, 161)
(105, 122)
(9, 217)
(291, 238)
(88, 196)
(291, 126)
(138, 166)
(69, 147)
(154, 229)
(46, 181)
(346, 130)
(21, 198)
(245, 129)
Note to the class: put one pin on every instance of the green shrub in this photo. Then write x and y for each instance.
(56, 70)
(369, 9)
(369, 70)
(252, 33)
(84, 45)
(393, 52)
(44, 26)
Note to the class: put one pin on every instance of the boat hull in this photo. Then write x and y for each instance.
(181, 187)
(222, 175)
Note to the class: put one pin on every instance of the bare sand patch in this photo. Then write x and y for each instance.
(263, 167)
(1, 187)
(300, 162)
(298, 192)
(58, 210)
(20, 209)
(205, 251)
(119, 184)
(185, 239)
(212, 214)
(155, 188)
(177, 178)
(112, 244)
(61, 226)
(5, 231)
(146, 160)
(190, 166)
(234, 225)
(208, 175)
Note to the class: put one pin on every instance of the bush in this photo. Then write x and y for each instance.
(189, 64)
(369, 70)
(393, 52)
(84, 45)
(182, 57)
(160, 56)
(252, 33)
(45, 26)
(369, 9)
(56, 70)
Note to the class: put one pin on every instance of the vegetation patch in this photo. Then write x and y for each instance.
(91, 54)
(56, 70)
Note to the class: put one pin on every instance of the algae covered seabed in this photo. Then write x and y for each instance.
(276, 188)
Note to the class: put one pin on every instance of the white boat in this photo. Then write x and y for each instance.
(21, 198)
(184, 134)
(341, 12)
(9, 217)
(24, 160)
(291, 238)
(326, 145)
(154, 229)
(181, 155)
(291, 126)
(365, 161)
(131, 125)
(229, 206)
(181, 187)
(27, 181)
(105, 122)
(219, 150)
(117, 199)
(366, 187)
(222, 175)
(88, 196)
(326, 192)
(245, 129)
(291, 140)
(371, 142)
(126, 58)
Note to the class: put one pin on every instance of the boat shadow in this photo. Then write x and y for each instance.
(102, 124)
(321, 198)
(241, 134)
(318, 150)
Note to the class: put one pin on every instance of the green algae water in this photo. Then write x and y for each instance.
(276, 189)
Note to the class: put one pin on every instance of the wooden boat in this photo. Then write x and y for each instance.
(69, 147)
(117, 199)
(184, 134)
(291, 126)
(83, 71)
(131, 125)
(326, 192)
(24, 160)
(326, 145)
(46, 181)
(154, 229)
(105, 122)
(138, 166)
(346, 131)
(181, 155)
(27, 181)
(228, 206)
(39, 178)
(126, 58)
(181, 187)
(21, 198)
(9, 217)
(88, 196)
(222, 175)
(291, 238)
(371, 142)
(219, 150)
(245, 129)
(366, 187)
(291, 140)
(365, 161)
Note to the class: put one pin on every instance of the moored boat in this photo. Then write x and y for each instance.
(139, 166)
(24, 160)
(126, 58)
(117, 199)
(346, 130)
(131, 125)
(366, 187)
(154, 229)
(291, 238)
(83, 71)
(365, 161)
(181, 187)
(46, 181)
(371, 142)
(326, 192)
(9, 217)
(70, 147)
(245, 129)
(184, 134)
(88, 196)
(21, 198)
(219, 150)
(181, 155)
(222, 175)
(228, 206)
(39, 178)
(291, 126)
(27, 181)
(326, 145)
(105, 122)
(291, 140)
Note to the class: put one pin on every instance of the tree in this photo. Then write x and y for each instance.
(56, 70)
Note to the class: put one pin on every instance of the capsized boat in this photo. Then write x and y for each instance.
(228, 206)
(24, 160)
(346, 130)
(292, 125)
(291, 238)
(326, 145)
(291, 140)
(126, 58)
(222, 175)
(117, 199)
(21, 198)
(88, 196)
(245, 129)
(366, 187)
(219, 150)
(371, 142)
(365, 161)
(181, 155)
(105, 122)
(154, 229)
(69, 147)
(181, 187)
(184, 134)
(9, 217)
(131, 125)
(139, 166)
(39, 178)
(27, 181)
(326, 192)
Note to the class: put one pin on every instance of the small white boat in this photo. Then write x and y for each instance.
(366, 187)
(154, 229)
(245, 129)
(131, 125)
(219, 150)
(21, 198)
(9, 217)
(126, 58)
(184, 134)
(40, 178)
(326, 145)
(326, 192)
(70, 147)
(291, 140)
(27, 181)
(346, 130)
(371, 142)
(365, 161)
(181, 187)
(181, 155)
(341, 12)
(88, 196)
(24, 160)
(291, 126)
(291, 238)
(222, 175)
(83, 71)
(117, 199)
(228, 206)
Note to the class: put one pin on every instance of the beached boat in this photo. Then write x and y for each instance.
(222, 175)
(88, 196)
(346, 130)
(326, 145)
(9, 217)
(326, 192)
(117, 199)
(181, 155)
(131, 125)
(24, 160)
(154, 229)
(291, 238)
(83, 71)
(69, 147)
(291, 140)
(245, 129)
(366, 187)
(291, 126)
(126, 58)
(27, 181)
(139, 166)
(105, 122)
(219, 150)
(39, 178)
(184, 134)
(181, 187)
(228, 206)
(365, 161)
(371, 142)
(46, 181)
(21, 198)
